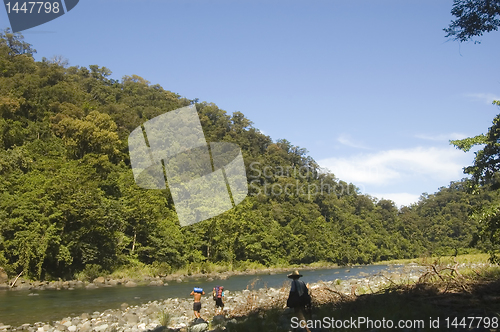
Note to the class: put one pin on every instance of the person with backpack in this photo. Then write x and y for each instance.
(299, 296)
(218, 295)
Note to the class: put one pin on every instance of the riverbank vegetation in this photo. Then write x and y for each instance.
(69, 207)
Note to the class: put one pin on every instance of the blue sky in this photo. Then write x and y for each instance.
(372, 88)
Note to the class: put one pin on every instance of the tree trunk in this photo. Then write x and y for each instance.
(133, 243)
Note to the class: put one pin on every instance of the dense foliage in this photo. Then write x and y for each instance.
(68, 201)
(473, 18)
(485, 182)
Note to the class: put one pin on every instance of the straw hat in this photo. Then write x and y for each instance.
(294, 274)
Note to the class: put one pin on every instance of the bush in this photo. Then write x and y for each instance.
(90, 272)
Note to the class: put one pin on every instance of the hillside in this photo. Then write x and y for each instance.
(68, 201)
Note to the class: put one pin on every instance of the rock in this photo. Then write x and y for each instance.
(218, 319)
(91, 286)
(60, 327)
(23, 286)
(198, 327)
(3, 276)
(4, 327)
(72, 328)
(160, 329)
(124, 306)
(112, 282)
(130, 284)
(156, 283)
(99, 280)
(101, 328)
(151, 309)
(131, 318)
(85, 327)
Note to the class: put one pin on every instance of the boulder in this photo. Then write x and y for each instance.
(86, 327)
(101, 328)
(60, 327)
(198, 327)
(151, 309)
(130, 284)
(131, 318)
(112, 282)
(99, 280)
(218, 319)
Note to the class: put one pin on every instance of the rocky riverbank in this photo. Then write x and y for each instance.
(177, 313)
(24, 284)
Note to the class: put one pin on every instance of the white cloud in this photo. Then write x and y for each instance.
(484, 97)
(347, 140)
(390, 166)
(401, 199)
(441, 137)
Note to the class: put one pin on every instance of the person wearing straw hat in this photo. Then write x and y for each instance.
(299, 296)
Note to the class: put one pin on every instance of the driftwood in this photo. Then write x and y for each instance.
(15, 280)
(452, 280)
(342, 296)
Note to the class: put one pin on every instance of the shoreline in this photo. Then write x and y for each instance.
(108, 281)
(147, 316)
(178, 276)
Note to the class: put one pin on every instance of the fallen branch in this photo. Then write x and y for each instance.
(15, 280)
(340, 294)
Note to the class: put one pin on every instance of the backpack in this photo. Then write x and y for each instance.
(218, 292)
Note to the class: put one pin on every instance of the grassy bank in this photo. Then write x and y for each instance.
(479, 258)
(139, 271)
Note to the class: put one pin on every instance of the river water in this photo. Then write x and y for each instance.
(19, 307)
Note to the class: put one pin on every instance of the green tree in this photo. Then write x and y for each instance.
(473, 18)
(486, 182)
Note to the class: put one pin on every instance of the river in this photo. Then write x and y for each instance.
(19, 307)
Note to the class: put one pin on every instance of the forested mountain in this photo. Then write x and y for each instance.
(68, 199)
